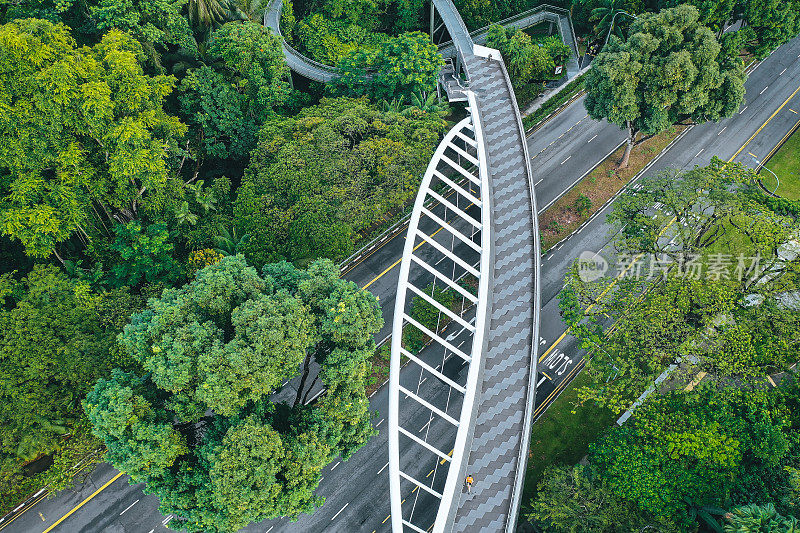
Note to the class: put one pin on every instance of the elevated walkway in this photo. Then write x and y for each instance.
(314, 70)
(305, 66)
(500, 440)
(486, 414)
(543, 13)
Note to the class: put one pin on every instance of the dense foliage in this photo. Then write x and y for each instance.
(226, 102)
(319, 178)
(331, 30)
(682, 461)
(198, 425)
(669, 69)
(84, 138)
(706, 449)
(527, 60)
(707, 294)
(400, 66)
(56, 339)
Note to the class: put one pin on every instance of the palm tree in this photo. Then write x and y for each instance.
(228, 243)
(252, 9)
(604, 15)
(396, 105)
(207, 14)
(429, 103)
(184, 215)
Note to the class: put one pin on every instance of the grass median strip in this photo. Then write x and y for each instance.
(563, 434)
(571, 89)
(589, 195)
(786, 165)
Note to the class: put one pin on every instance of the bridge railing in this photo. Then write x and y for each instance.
(462, 248)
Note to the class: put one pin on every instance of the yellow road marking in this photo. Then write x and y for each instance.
(95, 493)
(764, 124)
(562, 385)
(385, 519)
(450, 454)
(792, 110)
(42, 497)
(415, 248)
(379, 276)
(775, 148)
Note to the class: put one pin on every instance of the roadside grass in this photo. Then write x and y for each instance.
(378, 368)
(786, 165)
(570, 90)
(562, 435)
(601, 184)
(415, 340)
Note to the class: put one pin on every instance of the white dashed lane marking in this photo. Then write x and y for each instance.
(340, 511)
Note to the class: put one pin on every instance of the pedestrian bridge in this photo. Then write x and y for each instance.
(481, 349)
(487, 255)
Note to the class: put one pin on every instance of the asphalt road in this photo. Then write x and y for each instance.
(564, 149)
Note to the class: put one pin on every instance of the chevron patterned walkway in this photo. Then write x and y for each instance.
(500, 442)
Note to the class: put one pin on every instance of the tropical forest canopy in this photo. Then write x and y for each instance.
(173, 201)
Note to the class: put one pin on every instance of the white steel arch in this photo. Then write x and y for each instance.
(455, 182)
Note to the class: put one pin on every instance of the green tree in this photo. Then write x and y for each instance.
(721, 213)
(668, 70)
(84, 139)
(199, 427)
(713, 13)
(401, 65)
(770, 23)
(218, 114)
(254, 9)
(526, 61)
(138, 435)
(571, 499)
(606, 12)
(759, 519)
(54, 343)
(154, 23)
(708, 294)
(705, 448)
(319, 178)
(142, 255)
(207, 14)
(254, 59)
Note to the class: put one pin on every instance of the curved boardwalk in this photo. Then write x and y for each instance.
(317, 71)
(502, 427)
(299, 63)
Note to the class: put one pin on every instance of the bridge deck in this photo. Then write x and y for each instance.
(500, 442)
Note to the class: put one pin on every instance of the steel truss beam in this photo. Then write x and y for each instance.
(460, 156)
